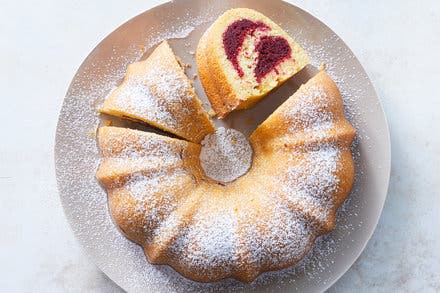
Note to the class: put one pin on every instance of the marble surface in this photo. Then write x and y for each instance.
(42, 44)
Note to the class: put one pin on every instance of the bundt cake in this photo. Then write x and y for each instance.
(156, 91)
(301, 172)
(242, 57)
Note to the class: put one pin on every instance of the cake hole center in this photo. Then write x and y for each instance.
(226, 155)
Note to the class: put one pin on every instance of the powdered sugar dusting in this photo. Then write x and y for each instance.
(276, 237)
(309, 111)
(154, 94)
(210, 242)
(180, 28)
(311, 182)
(151, 202)
(145, 146)
(141, 186)
(85, 202)
(226, 155)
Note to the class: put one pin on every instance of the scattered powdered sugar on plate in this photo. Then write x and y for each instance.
(180, 28)
(226, 155)
(85, 202)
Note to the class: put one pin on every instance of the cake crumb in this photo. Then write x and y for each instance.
(108, 123)
(141, 47)
(92, 133)
(188, 65)
(211, 113)
(194, 76)
(322, 66)
(180, 62)
(192, 52)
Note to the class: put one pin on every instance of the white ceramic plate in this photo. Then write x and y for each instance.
(183, 22)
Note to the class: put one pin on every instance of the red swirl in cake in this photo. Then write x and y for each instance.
(234, 36)
(242, 57)
(271, 51)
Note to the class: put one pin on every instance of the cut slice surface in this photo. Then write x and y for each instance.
(156, 91)
(243, 56)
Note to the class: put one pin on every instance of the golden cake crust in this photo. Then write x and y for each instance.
(302, 171)
(156, 91)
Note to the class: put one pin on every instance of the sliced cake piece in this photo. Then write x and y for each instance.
(242, 57)
(156, 91)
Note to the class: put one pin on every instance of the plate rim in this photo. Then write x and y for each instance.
(387, 142)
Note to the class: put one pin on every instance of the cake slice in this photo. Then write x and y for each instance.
(242, 57)
(156, 91)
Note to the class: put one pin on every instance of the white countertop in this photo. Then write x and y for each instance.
(42, 43)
